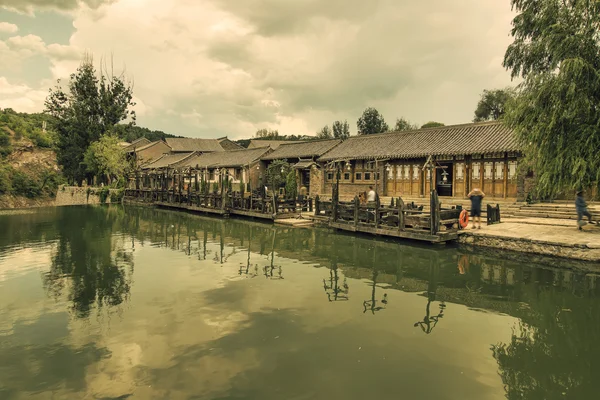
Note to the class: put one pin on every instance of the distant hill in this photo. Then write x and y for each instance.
(291, 138)
(130, 133)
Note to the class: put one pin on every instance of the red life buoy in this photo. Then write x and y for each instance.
(463, 220)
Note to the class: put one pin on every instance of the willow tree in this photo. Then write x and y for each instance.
(556, 115)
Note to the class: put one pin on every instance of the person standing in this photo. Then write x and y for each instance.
(582, 210)
(476, 196)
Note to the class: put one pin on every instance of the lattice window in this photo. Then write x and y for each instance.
(499, 172)
(460, 169)
(512, 169)
(400, 171)
(476, 168)
(416, 172)
(487, 170)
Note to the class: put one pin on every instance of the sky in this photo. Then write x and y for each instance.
(213, 68)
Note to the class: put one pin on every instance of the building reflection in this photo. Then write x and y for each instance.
(430, 321)
(372, 304)
(332, 287)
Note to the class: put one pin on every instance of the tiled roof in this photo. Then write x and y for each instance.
(234, 158)
(136, 144)
(308, 149)
(228, 144)
(479, 138)
(168, 160)
(274, 144)
(192, 144)
(144, 147)
(302, 164)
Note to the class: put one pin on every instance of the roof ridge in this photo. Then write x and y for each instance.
(312, 141)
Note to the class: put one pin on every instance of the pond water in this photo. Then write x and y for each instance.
(137, 303)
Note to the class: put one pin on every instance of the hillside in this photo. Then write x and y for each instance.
(29, 174)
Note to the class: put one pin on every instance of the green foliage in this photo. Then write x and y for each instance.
(5, 144)
(291, 185)
(215, 187)
(432, 124)
(242, 188)
(556, 114)
(276, 174)
(24, 125)
(105, 159)
(129, 133)
(492, 104)
(325, 133)
(31, 182)
(341, 130)
(371, 122)
(267, 134)
(90, 107)
(103, 194)
(117, 195)
(404, 125)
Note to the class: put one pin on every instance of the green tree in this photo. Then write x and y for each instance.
(105, 159)
(431, 124)
(404, 125)
(556, 115)
(90, 106)
(325, 133)
(492, 104)
(341, 130)
(267, 134)
(291, 185)
(276, 174)
(371, 122)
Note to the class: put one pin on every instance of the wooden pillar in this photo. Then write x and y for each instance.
(189, 189)
(505, 175)
(434, 206)
(400, 206)
(356, 209)
(377, 205)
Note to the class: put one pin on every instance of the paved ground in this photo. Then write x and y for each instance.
(549, 230)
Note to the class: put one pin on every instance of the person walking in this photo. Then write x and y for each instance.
(371, 195)
(476, 196)
(582, 210)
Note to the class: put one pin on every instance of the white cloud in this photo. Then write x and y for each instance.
(31, 43)
(21, 97)
(213, 68)
(6, 27)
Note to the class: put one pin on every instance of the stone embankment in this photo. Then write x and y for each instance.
(75, 195)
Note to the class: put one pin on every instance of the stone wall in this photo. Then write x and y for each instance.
(316, 182)
(75, 195)
(578, 252)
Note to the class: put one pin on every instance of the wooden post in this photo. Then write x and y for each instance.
(189, 190)
(173, 188)
(180, 187)
(400, 205)
(356, 210)
(498, 213)
(435, 213)
(377, 205)
(275, 201)
(317, 205)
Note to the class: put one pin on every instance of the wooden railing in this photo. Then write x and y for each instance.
(493, 214)
(397, 215)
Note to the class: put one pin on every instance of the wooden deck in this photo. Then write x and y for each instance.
(206, 210)
(413, 234)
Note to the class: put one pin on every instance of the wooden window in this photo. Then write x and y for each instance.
(499, 170)
(358, 176)
(330, 176)
(460, 157)
(512, 169)
(415, 172)
(367, 176)
(238, 174)
(487, 170)
(370, 166)
(400, 171)
(346, 176)
(460, 169)
(476, 167)
(476, 156)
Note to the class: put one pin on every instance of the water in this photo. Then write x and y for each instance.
(107, 303)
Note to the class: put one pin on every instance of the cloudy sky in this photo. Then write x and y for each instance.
(209, 68)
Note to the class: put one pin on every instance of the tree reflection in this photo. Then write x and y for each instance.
(554, 350)
(90, 263)
(371, 304)
(429, 322)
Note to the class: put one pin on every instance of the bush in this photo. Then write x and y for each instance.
(25, 185)
(291, 185)
(5, 146)
(117, 195)
(5, 181)
(103, 194)
(215, 187)
(41, 139)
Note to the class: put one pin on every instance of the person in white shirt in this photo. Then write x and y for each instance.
(371, 195)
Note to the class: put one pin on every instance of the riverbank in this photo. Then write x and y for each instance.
(543, 236)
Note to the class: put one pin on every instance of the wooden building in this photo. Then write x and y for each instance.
(480, 155)
(148, 152)
(302, 156)
(239, 166)
(228, 144)
(188, 145)
(273, 144)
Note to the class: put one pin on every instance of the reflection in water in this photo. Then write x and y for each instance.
(334, 291)
(188, 318)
